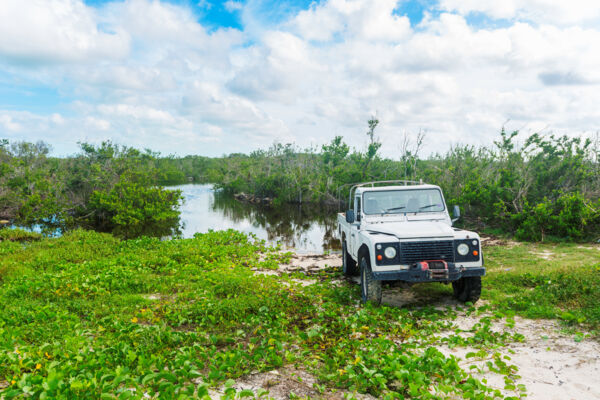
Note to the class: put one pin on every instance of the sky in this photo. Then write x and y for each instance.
(217, 77)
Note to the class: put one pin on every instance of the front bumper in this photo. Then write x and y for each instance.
(417, 274)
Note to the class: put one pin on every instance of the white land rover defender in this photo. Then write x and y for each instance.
(404, 233)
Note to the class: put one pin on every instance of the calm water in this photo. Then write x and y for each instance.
(305, 228)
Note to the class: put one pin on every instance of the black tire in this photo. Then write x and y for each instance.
(349, 266)
(467, 289)
(370, 289)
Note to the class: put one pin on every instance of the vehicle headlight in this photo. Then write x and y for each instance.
(463, 249)
(390, 252)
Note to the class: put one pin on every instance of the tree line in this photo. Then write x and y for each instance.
(547, 187)
(541, 187)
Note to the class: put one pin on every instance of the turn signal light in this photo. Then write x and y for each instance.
(475, 253)
(379, 257)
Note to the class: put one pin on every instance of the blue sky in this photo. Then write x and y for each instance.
(215, 13)
(209, 77)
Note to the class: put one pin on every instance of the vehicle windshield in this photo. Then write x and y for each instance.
(403, 201)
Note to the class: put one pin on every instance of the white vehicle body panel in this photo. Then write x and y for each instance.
(370, 230)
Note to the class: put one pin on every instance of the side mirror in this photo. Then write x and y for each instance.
(456, 214)
(350, 216)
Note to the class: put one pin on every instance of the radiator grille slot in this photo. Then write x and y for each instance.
(412, 252)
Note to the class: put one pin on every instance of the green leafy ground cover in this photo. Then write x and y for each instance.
(87, 315)
(19, 235)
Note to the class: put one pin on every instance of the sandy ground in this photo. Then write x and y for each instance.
(283, 383)
(488, 241)
(551, 363)
(309, 263)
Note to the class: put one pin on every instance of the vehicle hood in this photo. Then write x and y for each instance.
(413, 229)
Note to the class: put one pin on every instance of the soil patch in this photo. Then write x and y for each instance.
(311, 262)
(490, 241)
(545, 254)
(285, 382)
(307, 264)
(551, 364)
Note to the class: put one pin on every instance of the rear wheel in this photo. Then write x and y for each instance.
(349, 266)
(467, 289)
(370, 288)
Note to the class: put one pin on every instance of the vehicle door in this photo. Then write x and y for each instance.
(355, 226)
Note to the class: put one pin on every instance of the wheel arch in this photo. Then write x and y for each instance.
(363, 251)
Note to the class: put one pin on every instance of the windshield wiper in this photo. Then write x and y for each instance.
(429, 205)
(394, 208)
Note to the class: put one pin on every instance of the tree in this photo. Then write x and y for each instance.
(373, 147)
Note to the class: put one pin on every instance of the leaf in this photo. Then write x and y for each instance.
(246, 393)
(149, 377)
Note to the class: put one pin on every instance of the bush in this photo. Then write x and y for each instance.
(108, 188)
(569, 217)
(130, 210)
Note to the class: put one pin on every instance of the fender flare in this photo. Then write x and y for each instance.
(363, 251)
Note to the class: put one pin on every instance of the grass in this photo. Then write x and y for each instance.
(535, 280)
(546, 281)
(89, 316)
(18, 235)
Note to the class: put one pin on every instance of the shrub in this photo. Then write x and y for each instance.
(569, 217)
(131, 209)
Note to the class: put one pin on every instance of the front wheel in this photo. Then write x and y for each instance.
(467, 289)
(370, 288)
(349, 266)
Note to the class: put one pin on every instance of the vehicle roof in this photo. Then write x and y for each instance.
(395, 187)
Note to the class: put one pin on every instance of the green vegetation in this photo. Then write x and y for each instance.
(546, 281)
(88, 315)
(107, 188)
(543, 280)
(547, 188)
(19, 235)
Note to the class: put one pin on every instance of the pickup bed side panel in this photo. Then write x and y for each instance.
(345, 232)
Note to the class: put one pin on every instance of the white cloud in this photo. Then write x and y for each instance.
(362, 19)
(205, 4)
(232, 6)
(97, 123)
(155, 77)
(542, 11)
(57, 119)
(8, 124)
(136, 112)
(39, 31)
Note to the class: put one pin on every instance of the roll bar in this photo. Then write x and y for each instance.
(355, 186)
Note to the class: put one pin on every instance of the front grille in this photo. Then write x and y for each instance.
(412, 252)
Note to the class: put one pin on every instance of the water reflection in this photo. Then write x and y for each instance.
(306, 228)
